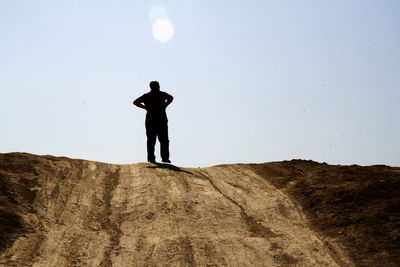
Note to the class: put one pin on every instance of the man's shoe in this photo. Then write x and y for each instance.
(166, 161)
(152, 161)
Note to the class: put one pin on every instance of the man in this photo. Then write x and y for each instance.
(155, 102)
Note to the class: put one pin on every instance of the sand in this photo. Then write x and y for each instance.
(67, 212)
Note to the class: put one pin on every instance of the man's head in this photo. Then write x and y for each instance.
(155, 86)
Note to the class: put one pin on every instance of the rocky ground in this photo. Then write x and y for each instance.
(57, 211)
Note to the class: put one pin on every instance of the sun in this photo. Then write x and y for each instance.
(163, 30)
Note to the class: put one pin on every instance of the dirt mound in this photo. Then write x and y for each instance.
(65, 212)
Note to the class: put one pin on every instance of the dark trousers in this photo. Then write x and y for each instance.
(154, 129)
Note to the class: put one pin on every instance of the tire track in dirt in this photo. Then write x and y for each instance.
(111, 224)
(229, 186)
(256, 228)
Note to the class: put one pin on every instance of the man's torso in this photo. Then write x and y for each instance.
(155, 105)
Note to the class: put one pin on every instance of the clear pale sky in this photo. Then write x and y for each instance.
(253, 81)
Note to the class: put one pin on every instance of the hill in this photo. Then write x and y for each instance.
(56, 211)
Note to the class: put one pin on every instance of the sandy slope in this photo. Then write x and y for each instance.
(64, 212)
(83, 213)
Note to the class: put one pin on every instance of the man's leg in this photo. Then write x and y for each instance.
(164, 141)
(151, 133)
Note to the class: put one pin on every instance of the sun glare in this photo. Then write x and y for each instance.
(163, 30)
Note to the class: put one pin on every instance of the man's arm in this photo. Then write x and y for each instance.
(139, 103)
(170, 98)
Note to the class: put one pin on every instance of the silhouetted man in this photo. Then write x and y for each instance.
(155, 102)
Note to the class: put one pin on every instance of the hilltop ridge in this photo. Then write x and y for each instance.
(60, 212)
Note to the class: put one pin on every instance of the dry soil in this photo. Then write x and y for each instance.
(58, 211)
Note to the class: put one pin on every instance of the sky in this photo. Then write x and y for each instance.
(253, 81)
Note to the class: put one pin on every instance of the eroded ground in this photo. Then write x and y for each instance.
(65, 212)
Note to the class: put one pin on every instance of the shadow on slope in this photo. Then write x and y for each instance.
(357, 206)
(18, 183)
(169, 167)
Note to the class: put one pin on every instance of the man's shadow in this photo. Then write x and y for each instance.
(168, 166)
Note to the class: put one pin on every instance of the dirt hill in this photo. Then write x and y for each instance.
(57, 211)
